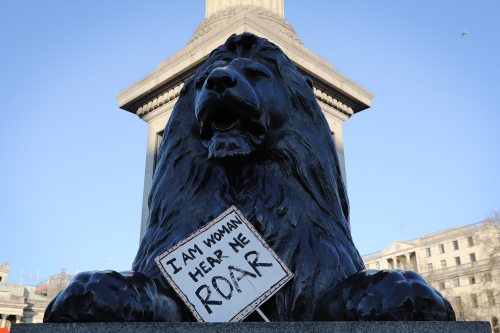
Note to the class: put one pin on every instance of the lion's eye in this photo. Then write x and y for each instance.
(200, 81)
(253, 72)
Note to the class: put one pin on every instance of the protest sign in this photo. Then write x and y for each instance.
(224, 270)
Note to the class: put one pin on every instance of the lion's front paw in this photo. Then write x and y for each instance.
(111, 296)
(384, 295)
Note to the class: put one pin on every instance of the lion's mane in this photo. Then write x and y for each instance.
(291, 188)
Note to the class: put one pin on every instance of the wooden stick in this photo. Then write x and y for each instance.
(263, 315)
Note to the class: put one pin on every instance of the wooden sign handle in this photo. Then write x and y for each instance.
(259, 311)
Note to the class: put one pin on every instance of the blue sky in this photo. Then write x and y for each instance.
(425, 157)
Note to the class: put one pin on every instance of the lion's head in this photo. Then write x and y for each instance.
(248, 131)
(242, 96)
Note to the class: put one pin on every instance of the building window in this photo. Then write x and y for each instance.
(473, 300)
(429, 267)
(455, 245)
(491, 298)
(470, 241)
(457, 261)
(472, 279)
(456, 282)
(441, 248)
(428, 252)
(472, 257)
(442, 285)
(487, 277)
(443, 263)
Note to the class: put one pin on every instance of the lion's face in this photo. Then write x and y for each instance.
(234, 103)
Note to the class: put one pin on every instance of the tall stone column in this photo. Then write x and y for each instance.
(276, 7)
(18, 319)
(4, 320)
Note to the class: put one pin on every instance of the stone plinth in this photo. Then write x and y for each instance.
(309, 327)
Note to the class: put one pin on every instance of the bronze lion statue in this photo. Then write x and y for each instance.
(248, 131)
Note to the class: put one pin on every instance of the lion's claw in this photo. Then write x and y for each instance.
(384, 295)
(111, 296)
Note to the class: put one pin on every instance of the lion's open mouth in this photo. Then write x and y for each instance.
(224, 122)
(230, 129)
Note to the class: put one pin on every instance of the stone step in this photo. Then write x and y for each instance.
(258, 327)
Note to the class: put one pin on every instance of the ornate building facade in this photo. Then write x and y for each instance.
(26, 304)
(19, 303)
(463, 263)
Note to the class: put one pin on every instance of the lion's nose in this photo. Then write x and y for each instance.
(220, 79)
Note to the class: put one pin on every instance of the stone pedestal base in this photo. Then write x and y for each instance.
(307, 327)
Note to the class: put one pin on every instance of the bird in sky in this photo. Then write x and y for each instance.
(465, 33)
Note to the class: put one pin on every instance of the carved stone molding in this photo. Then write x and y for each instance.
(160, 100)
(333, 102)
(213, 32)
(273, 21)
(173, 93)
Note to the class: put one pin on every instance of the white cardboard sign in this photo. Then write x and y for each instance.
(224, 270)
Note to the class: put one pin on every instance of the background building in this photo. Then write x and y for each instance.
(26, 304)
(56, 283)
(19, 303)
(463, 263)
(4, 271)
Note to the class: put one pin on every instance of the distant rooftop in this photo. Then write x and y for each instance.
(422, 239)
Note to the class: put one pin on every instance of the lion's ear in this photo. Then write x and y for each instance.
(309, 81)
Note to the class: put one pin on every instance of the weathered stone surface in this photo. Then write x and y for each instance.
(278, 327)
